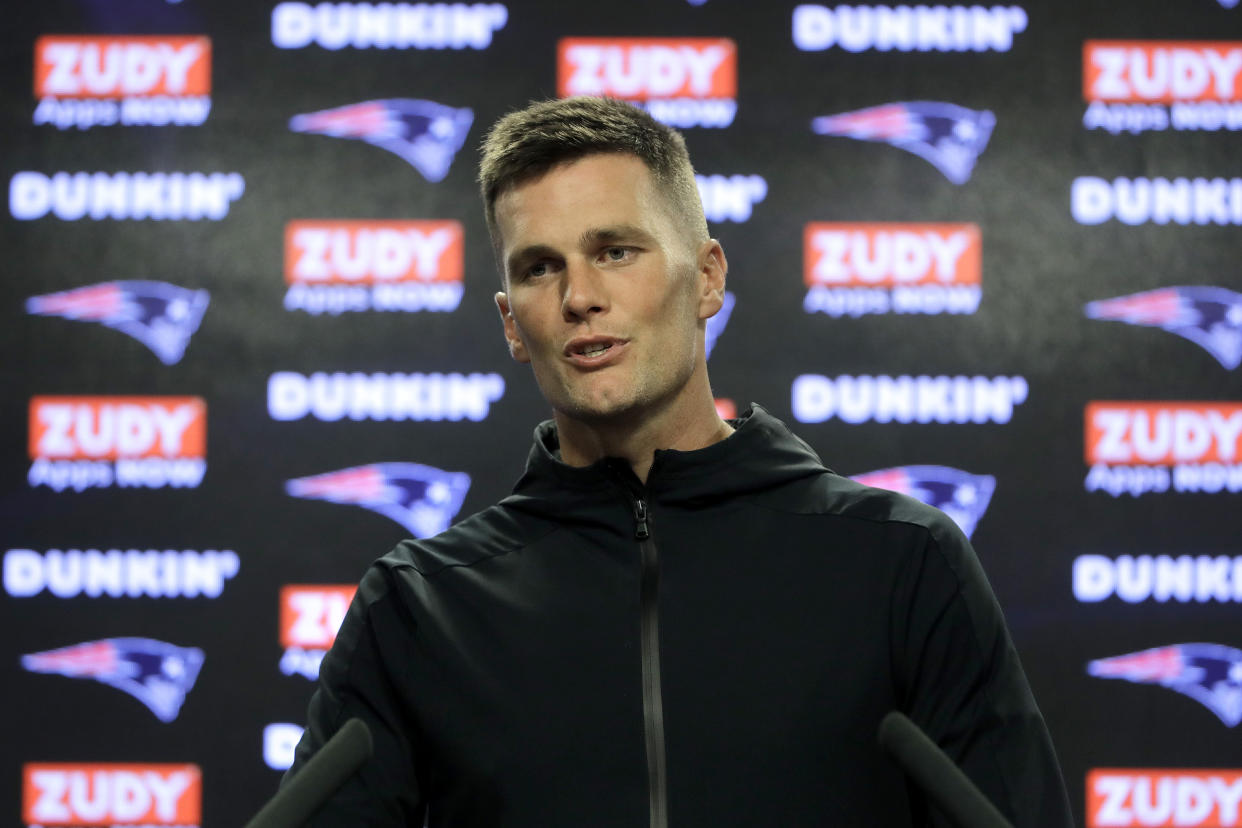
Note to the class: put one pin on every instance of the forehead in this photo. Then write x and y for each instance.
(594, 191)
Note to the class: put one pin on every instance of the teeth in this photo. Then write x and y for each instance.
(594, 350)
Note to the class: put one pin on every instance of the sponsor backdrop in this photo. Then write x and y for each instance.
(985, 255)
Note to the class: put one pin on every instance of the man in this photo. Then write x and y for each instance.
(674, 620)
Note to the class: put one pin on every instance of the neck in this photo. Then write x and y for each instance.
(684, 425)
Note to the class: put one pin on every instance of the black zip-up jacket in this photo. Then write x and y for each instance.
(714, 648)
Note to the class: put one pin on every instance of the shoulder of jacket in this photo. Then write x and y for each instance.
(496, 530)
(835, 495)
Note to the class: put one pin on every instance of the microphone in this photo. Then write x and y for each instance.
(310, 787)
(942, 781)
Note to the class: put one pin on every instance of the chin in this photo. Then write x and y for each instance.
(599, 410)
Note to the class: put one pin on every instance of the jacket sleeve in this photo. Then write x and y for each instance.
(363, 676)
(959, 679)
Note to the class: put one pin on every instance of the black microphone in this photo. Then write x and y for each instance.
(310, 787)
(934, 772)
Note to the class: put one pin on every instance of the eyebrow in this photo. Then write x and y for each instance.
(591, 237)
(614, 233)
(526, 254)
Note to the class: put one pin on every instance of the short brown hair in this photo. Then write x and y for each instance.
(524, 145)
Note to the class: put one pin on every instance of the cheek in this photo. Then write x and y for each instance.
(682, 307)
(526, 323)
(677, 317)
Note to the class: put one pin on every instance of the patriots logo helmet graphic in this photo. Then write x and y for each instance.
(1210, 317)
(948, 136)
(1211, 674)
(156, 673)
(424, 133)
(962, 496)
(716, 324)
(421, 498)
(159, 315)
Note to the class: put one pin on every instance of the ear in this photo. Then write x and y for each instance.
(517, 349)
(712, 269)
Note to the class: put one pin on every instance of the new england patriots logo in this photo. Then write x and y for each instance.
(155, 673)
(159, 315)
(1210, 317)
(950, 137)
(1211, 674)
(716, 324)
(421, 498)
(426, 134)
(963, 497)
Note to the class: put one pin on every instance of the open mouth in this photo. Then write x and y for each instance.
(593, 350)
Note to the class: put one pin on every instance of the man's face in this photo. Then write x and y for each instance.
(606, 291)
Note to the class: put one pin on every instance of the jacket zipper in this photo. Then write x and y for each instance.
(653, 703)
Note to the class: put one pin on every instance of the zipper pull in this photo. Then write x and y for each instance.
(640, 520)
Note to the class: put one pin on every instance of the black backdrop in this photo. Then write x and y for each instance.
(242, 534)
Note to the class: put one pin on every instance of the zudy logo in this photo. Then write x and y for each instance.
(1136, 448)
(853, 269)
(96, 442)
(358, 265)
(1163, 797)
(131, 80)
(683, 82)
(1138, 85)
(111, 793)
(310, 615)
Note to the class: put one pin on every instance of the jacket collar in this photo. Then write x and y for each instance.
(761, 453)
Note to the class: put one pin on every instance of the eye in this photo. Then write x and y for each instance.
(617, 254)
(535, 270)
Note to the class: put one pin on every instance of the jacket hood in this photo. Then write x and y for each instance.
(760, 454)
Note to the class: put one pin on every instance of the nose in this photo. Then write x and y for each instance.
(583, 292)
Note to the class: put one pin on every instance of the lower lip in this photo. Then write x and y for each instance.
(600, 360)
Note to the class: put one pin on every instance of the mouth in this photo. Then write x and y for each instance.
(594, 350)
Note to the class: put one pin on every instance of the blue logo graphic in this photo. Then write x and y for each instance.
(155, 673)
(421, 498)
(159, 315)
(962, 496)
(948, 136)
(1210, 317)
(716, 324)
(1211, 674)
(426, 134)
